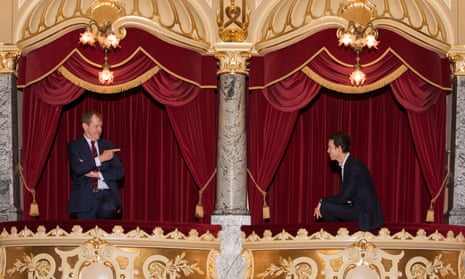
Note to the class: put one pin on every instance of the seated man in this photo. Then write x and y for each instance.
(357, 200)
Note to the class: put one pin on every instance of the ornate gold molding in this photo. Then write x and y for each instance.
(358, 255)
(233, 58)
(233, 21)
(135, 254)
(288, 22)
(179, 21)
(361, 12)
(103, 11)
(9, 55)
(456, 57)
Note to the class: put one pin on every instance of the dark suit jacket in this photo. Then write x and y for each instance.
(81, 162)
(358, 188)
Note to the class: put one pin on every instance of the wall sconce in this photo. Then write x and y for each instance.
(102, 32)
(360, 33)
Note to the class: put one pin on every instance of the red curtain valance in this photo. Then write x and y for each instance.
(85, 62)
(321, 49)
(423, 100)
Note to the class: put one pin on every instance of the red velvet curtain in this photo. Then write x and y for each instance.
(422, 95)
(426, 115)
(425, 105)
(270, 126)
(381, 138)
(166, 128)
(58, 82)
(41, 113)
(157, 177)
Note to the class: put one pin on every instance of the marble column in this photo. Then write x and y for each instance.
(456, 214)
(231, 195)
(231, 210)
(231, 191)
(10, 190)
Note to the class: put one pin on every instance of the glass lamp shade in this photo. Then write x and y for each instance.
(357, 77)
(105, 76)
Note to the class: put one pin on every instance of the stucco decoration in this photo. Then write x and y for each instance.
(274, 24)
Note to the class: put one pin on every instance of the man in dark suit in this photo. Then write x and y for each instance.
(95, 170)
(357, 200)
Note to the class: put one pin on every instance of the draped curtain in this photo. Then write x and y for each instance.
(176, 100)
(422, 96)
(164, 119)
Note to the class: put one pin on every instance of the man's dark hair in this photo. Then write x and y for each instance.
(341, 139)
(87, 115)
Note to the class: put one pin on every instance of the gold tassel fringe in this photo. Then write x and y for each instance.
(266, 212)
(199, 211)
(430, 212)
(430, 215)
(266, 208)
(34, 209)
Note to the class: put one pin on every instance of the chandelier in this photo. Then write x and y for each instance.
(100, 30)
(360, 33)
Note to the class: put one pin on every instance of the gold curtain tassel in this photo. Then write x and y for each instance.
(430, 212)
(199, 211)
(266, 212)
(430, 216)
(34, 209)
(266, 208)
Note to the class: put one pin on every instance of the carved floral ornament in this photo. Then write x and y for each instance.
(97, 258)
(157, 255)
(303, 255)
(323, 255)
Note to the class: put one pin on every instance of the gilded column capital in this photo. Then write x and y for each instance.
(9, 55)
(233, 58)
(456, 57)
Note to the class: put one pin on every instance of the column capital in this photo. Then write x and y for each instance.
(233, 57)
(456, 56)
(9, 55)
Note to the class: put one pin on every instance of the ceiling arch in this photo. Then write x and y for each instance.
(180, 21)
(287, 21)
(274, 24)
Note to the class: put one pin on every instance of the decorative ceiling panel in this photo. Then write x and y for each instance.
(293, 18)
(273, 23)
(177, 17)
